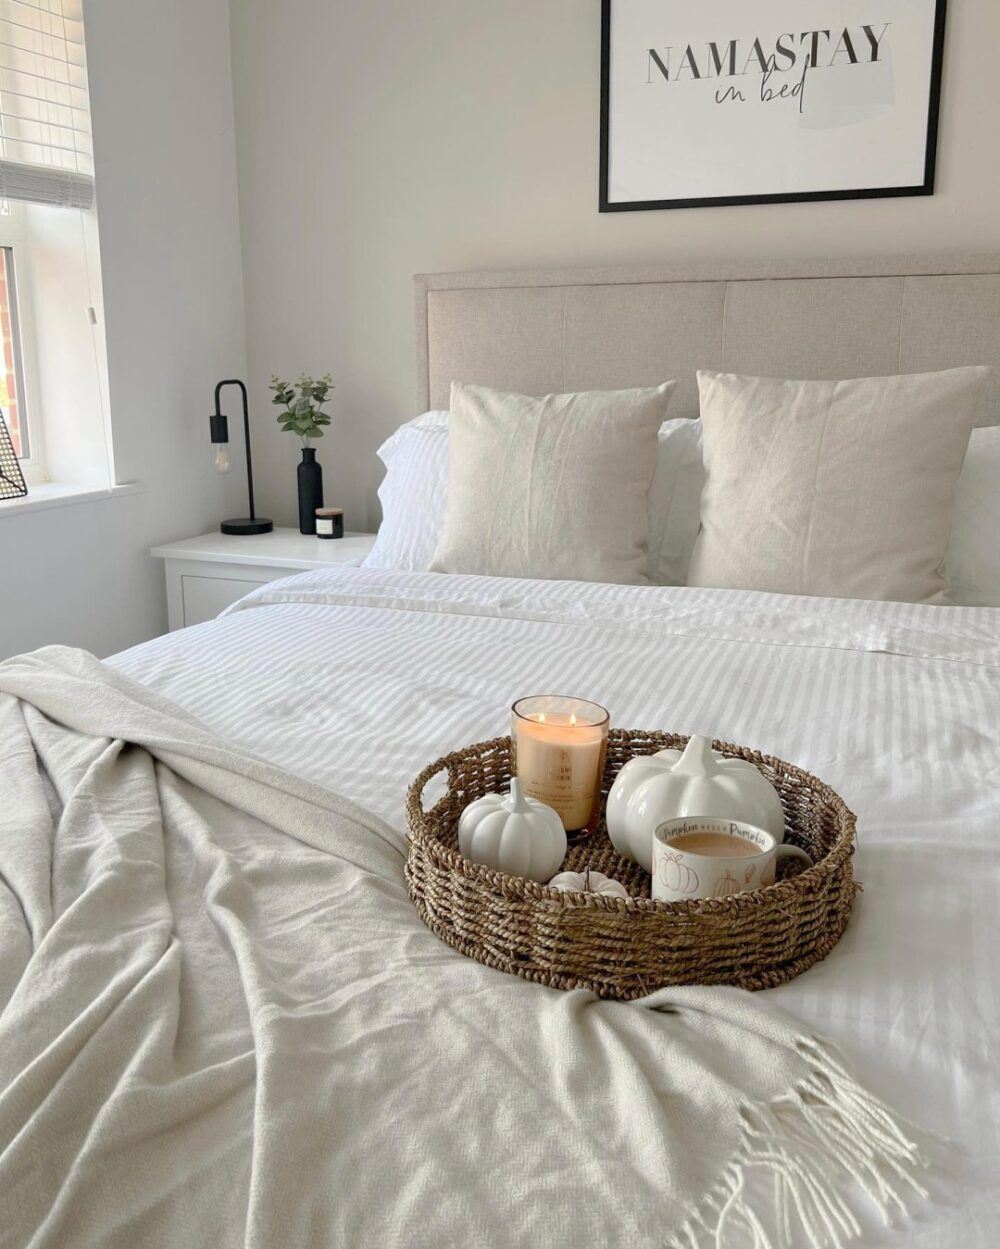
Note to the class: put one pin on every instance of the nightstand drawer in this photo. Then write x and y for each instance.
(204, 597)
(206, 575)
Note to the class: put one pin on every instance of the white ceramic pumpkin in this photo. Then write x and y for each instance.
(514, 834)
(589, 882)
(652, 788)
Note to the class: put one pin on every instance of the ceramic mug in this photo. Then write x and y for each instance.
(696, 857)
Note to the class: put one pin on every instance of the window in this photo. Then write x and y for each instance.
(46, 156)
(11, 383)
(20, 389)
(52, 384)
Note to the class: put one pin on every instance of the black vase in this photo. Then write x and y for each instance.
(310, 476)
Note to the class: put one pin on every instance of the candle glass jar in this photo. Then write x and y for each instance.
(558, 745)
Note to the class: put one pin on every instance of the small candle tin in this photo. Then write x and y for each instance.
(329, 522)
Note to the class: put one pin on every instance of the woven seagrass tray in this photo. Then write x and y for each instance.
(622, 948)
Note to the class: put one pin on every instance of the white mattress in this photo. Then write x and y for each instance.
(356, 678)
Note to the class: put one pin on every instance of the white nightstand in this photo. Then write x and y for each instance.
(206, 574)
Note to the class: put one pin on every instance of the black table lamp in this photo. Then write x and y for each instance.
(219, 425)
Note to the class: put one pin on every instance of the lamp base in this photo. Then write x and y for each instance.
(247, 525)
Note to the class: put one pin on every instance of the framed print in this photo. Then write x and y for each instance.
(767, 101)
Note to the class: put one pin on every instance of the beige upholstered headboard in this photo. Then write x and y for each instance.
(539, 332)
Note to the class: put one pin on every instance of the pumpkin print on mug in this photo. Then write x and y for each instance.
(676, 875)
(700, 857)
(725, 886)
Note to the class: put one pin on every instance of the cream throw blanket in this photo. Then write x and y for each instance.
(222, 1024)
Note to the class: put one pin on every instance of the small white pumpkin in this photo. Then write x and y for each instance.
(514, 834)
(652, 788)
(589, 882)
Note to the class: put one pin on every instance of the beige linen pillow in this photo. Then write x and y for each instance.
(553, 488)
(842, 489)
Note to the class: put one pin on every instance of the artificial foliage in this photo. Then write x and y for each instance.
(302, 403)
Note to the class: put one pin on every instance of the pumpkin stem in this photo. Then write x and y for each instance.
(517, 802)
(697, 759)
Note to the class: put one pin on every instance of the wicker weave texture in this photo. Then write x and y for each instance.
(622, 948)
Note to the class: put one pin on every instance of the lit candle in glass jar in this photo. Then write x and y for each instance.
(559, 745)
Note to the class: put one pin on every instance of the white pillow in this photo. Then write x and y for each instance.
(552, 487)
(973, 562)
(413, 494)
(972, 566)
(843, 489)
(675, 500)
(414, 497)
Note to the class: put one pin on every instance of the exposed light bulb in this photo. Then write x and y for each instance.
(222, 461)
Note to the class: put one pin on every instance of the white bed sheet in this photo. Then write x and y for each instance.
(355, 678)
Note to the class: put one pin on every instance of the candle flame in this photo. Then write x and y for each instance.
(541, 717)
(572, 718)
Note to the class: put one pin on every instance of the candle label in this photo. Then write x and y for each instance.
(559, 762)
(561, 786)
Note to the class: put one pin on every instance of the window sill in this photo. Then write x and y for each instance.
(53, 494)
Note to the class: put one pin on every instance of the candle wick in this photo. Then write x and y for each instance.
(586, 879)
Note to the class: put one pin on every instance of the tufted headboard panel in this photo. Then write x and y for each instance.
(544, 331)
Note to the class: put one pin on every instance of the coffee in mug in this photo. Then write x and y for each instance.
(697, 857)
(728, 845)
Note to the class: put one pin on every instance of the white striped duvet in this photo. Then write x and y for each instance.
(355, 678)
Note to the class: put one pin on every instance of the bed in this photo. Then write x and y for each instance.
(353, 679)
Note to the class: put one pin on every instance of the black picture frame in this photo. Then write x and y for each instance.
(926, 187)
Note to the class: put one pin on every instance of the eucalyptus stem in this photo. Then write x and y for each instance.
(302, 405)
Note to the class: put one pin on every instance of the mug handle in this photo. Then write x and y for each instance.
(784, 851)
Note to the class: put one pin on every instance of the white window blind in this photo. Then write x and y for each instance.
(46, 154)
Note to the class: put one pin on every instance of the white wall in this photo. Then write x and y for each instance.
(379, 138)
(163, 132)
